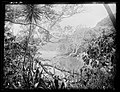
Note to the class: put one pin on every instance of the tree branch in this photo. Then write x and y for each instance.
(16, 22)
(49, 73)
(60, 69)
(58, 18)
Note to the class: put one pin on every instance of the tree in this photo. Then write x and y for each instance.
(32, 16)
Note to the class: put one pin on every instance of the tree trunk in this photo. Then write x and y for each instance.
(110, 15)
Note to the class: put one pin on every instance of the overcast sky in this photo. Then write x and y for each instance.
(94, 13)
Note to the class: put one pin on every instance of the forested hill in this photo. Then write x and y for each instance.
(105, 22)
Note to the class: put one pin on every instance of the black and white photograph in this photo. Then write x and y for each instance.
(59, 46)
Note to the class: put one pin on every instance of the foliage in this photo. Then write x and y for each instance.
(99, 55)
(12, 50)
(19, 55)
(22, 70)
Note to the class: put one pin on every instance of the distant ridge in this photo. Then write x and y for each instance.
(105, 22)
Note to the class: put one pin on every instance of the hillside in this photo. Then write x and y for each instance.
(105, 22)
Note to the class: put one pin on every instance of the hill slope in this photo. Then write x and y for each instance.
(105, 22)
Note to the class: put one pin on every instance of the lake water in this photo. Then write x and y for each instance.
(48, 54)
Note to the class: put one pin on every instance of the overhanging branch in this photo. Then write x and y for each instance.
(62, 70)
(32, 24)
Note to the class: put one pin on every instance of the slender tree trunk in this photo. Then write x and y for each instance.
(26, 51)
(110, 14)
(27, 42)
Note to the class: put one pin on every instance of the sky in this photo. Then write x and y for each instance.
(93, 14)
